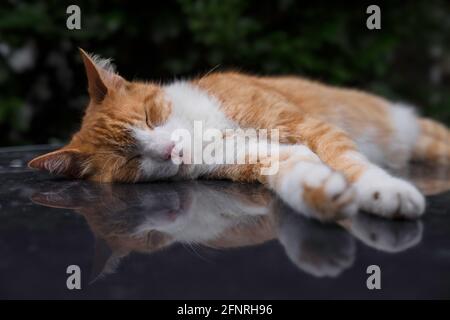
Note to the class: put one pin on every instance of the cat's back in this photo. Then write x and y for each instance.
(310, 96)
(266, 102)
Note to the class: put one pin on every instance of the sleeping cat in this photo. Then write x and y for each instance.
(332, 141)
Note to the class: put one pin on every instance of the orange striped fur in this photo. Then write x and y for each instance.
(338, 135)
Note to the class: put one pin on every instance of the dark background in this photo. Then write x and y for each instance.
(42, 84)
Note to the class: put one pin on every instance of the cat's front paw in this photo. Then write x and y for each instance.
(317, 191)
(387, 196)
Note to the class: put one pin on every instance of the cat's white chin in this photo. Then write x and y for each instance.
(151, 169)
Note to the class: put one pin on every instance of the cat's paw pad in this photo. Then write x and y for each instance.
(322, 193)
(390, 197)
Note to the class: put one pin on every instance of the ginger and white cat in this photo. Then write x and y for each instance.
(333, 141)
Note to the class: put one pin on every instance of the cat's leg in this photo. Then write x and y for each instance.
(300, 179)
(433, 144)
(378, 192)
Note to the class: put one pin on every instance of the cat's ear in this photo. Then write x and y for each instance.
(101, 76)
(66, 162)
(57, 199)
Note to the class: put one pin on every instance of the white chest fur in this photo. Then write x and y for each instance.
(193, 108)
(190, 104)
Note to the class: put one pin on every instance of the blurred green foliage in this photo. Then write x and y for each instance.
(42, 84)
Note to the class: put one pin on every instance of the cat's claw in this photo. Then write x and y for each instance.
(389, 197)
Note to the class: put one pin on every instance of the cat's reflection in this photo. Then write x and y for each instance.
(218, 214)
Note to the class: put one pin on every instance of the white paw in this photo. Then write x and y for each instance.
(316, 190)
(390, 197)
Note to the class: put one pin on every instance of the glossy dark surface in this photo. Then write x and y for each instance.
(207, 240)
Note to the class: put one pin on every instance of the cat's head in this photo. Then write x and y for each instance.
(120, 138)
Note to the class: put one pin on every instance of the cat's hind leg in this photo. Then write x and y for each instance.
(433, 144)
